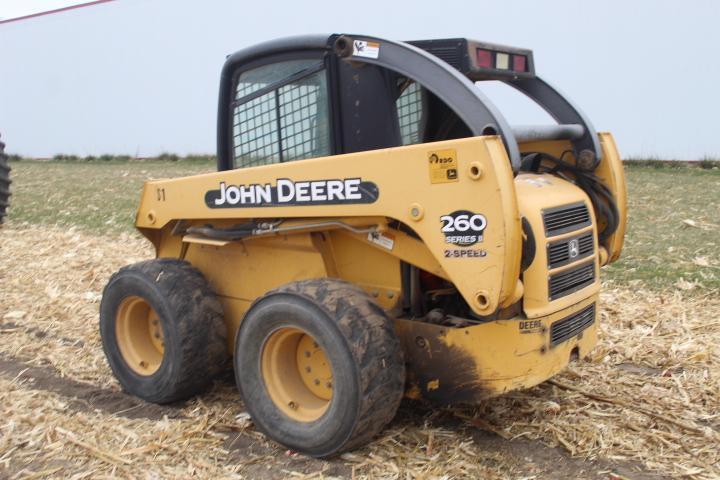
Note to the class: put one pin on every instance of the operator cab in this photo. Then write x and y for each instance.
(313, 96)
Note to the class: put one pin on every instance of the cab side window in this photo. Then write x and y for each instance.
(280, 113)
(409, 107)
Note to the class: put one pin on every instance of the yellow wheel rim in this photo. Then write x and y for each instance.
(297, 374)
(139, 335)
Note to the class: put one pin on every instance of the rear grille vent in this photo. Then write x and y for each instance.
(570, 281)
(569, 250)
(570, 326)
(565, 219)
(450, 55)
(447, 53)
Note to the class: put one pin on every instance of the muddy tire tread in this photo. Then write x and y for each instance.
(194, 306)
(379, 357)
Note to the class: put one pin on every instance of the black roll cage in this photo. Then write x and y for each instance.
(457, 91)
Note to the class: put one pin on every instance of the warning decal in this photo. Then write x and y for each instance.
(365, 49)
(443, 166)
(385, 240)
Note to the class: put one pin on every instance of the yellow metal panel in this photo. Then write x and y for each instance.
(611, 171)
(405, 248)
(487, 270)
(468, 364)
(323, 244)
(536, 192)
(249, 269)
(553, 147)
(507, 197)
(234, 310)
(375, 271)
(167, 245)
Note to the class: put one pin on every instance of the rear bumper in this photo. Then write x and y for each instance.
(465, 365)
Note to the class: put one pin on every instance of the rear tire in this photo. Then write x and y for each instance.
(333, 328)
(4, 183)
(162, 330)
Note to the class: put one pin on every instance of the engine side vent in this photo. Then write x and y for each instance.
(570, 326)
(569, 281)
(569, 250)
(565, 219)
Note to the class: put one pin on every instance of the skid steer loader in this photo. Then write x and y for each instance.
(375, 229)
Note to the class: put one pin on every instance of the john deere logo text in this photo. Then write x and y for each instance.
(289, 192)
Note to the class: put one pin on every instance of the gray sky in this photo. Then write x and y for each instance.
(141, 76)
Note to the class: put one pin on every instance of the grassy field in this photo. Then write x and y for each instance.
(672, 240)
(97, 196)
(673, 235)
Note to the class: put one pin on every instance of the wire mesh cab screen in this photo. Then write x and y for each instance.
(410, 113)
(280, 113)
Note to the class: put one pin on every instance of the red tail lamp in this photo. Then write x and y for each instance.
(519, 63)
(484, 58)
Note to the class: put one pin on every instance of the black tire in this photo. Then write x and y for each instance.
(368, 371)
(195, 346)
(4, 183)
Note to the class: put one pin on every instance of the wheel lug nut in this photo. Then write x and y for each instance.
(317, 382)
(328, 384)
(308, 369)
(307, 354)
(293, 405)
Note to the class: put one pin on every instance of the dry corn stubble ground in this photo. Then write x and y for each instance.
(645, 402)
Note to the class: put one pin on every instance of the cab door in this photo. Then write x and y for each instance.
(280, 112)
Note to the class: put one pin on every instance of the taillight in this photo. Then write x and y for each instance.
(484, 58)
(487, 59)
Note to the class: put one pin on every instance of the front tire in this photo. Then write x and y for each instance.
(162, 330)
(319, 366)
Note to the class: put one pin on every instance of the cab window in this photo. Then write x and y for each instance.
(409, 107)
(280, 113)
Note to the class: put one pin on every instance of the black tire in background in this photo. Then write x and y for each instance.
(359, 342)
(4, 182)
(194, 336)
